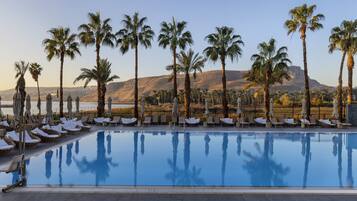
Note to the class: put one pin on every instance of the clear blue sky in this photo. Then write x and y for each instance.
(24, 25)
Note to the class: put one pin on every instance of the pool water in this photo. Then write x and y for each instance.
(162, 158)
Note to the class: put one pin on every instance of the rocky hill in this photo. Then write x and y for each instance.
(211, 80)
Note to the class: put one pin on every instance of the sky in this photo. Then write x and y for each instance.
(24, 25)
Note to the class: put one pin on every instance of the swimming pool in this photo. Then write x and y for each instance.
(162, 158)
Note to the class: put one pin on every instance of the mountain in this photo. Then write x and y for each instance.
(124, 91)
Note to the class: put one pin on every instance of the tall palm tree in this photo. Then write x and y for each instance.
(189, 63)
(352, 51)
(224, 43)
(61, 44)
(302, 18)
(21, 69)
(270, 66)
(342, 38)
(35, 70)
(174, 35)
(103, 75)
(135, 32)
(96, 32)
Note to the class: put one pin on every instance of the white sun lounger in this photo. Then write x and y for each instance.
(326, 123)
(260, 121)
(114, 121)
(128, 121)
(14, 165)
(29, 140)
(5, 147)
(4, 123)
(56, 128)
(45, 136)
(101, 120)
(290, 122)
(192, 121)
(70, 127)
(227, 121)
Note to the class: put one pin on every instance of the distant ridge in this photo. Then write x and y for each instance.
(123, 91)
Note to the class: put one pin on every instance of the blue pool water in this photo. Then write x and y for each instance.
(198, 159)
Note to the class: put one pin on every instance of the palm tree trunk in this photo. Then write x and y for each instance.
(102, 98)
(175, 73)
(136, 90)
(99, 99)
(306, 76)
(61, 85)
(339, 88)
(38, 98)
(187, 94)
(224, 86)
(350, 64)
(267, 96)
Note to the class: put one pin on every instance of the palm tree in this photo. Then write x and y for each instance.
(342, 39)
(303, 19)
(35, 70)
(61, 44)
(224, 43)
(352, 51)
(135, 32)
(21, 69)
(173, 34)
(187, 63)
(101, 74)
(270, 66)
(97, 32)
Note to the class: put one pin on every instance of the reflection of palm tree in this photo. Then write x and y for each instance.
(263, 170)
(60, 166)
(337, 150)
(185, 176)
(109, 144)
(69, 154)
(307, 157)
(349, 167)
(224, 156)
(142, 144)
(173, 163)
(99, 166)
(48, 157)
(207, 140)
(135, 156)
(76, 147)
(239, 144)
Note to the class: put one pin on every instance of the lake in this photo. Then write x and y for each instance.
(83, 106)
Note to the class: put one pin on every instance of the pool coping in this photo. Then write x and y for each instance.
(184, 190)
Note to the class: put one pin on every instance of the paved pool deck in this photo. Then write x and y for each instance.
(170, 194)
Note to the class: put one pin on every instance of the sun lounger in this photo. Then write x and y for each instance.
(227, 121)
(163, 119)
(14, 165)
(56, 128)
(326, 123)
(45, 136)
(182, 121)
(71, 127)
(341, 124)
(6, 145)
(155, 119)
(128, 121)
(147, 121)
(114, 121)
(290, 122)
(5, 125)
(276, 123)
(260, 121)
(192, 121)
(307, 122)
(244, 122)
(82, 125)
(210, 121)
(30, 140)
(101, 120)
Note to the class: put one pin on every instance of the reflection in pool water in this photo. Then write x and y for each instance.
(197, 159)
